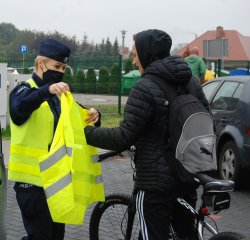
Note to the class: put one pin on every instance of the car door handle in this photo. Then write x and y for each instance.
(223, 120)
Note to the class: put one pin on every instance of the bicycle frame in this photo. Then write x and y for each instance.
(200, 220)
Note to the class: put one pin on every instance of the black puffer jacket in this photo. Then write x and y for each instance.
(145, 124)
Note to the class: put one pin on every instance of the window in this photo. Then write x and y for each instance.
(236, 97)
(209, 88)
(223, 97)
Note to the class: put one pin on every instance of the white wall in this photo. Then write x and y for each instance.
(7, 82)
(3, 94)
(14, 79)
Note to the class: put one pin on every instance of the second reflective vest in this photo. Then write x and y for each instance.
(71, 175)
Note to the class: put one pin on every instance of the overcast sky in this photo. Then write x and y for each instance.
(182, 19)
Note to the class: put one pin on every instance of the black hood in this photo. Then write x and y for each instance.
(152, 45)
(172, 69)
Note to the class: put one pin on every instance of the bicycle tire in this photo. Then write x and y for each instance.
(108, 220)
(228, 236)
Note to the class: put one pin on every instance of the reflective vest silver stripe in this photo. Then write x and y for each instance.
(65, 181)
(95, 158)
(83, 176)
(57, 156)
(98, 179)
(59, 185)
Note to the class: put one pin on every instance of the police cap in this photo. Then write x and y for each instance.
(55, 50)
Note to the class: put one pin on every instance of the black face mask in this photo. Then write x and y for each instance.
(52, 76)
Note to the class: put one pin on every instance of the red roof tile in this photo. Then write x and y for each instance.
(238, 45)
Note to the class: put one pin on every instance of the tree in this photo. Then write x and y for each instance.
(85, 48)
(8, 32)
(102, 84)
(67, 77)
(11, 38)
(114, 82)
(116, 48)
(91, 80)
(128, 66)
(80, 76)
(26, 71)
(102, 48)
(108, 47)
(69, 41)
(78, 85)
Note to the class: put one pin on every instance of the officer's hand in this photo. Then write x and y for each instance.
(93, 116)
(58, 88)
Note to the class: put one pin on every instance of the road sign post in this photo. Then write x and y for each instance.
(23, 51)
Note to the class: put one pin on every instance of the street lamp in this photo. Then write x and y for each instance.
(123, 38)
(121, 64)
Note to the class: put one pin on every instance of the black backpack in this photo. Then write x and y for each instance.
(191, 136)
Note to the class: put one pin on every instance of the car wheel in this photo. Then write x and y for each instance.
(229, 162)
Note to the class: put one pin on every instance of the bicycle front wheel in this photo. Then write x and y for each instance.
(109, 219)
(227, 236)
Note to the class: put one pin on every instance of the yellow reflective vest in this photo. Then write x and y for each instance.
(29, 142)
(71, 175)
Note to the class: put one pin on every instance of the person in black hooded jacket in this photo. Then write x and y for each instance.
(145, 127)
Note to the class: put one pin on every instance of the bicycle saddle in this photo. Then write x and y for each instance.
(214, 185)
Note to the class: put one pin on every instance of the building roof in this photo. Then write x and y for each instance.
(238, 45)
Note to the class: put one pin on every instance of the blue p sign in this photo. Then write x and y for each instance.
(23, 49)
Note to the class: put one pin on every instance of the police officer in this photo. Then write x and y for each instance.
(34, 112)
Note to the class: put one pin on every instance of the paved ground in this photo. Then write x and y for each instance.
(117, 176)
(98, 99)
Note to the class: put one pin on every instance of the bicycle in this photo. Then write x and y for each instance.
(115, 218)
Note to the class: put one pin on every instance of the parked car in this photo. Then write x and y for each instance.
(2, 191)
(229, 99)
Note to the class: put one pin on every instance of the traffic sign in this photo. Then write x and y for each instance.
(23, 48)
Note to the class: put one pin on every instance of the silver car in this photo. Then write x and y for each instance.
(2, 191)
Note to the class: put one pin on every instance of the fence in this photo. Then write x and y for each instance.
(219, 65)
(111, 87)
(75, 64)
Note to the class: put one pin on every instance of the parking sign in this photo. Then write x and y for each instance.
(23, 49)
